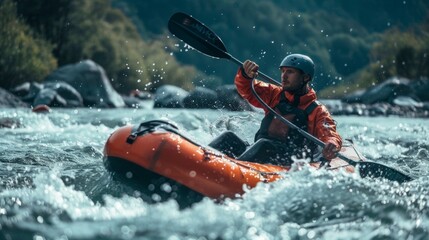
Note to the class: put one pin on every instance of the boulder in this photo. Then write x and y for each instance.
(138, 99)
(354, 97)
(421, 89)
(230, 99)
(387, 91)
(91, 81)
(27, 91)
(7, 99)
(169, 96)
(49, 97)
(70, 97)
(135, 102)
(405, 101)
(201, 97)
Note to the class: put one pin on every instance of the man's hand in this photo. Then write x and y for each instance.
(330, 151)
(250, 69)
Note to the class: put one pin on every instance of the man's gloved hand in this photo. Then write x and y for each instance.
(250, 69)
(330, 151)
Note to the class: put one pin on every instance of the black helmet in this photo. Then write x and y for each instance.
(299, 61)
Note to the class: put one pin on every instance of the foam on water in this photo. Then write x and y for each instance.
(305, 204)
(54, 184)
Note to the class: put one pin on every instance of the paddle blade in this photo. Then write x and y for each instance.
(197, 35)
(377, 170)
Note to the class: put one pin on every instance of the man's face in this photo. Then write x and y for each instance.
(293, 79)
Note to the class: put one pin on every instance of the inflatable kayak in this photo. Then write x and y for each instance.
(160, 149)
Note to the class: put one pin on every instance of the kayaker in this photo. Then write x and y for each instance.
(296, 101)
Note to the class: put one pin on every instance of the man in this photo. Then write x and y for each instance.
(296, 101)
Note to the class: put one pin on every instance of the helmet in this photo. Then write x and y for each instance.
(299, 61)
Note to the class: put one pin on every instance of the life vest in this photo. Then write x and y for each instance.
(274, 129)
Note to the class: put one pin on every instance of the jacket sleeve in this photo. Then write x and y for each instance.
(324, 127)
(266, 91)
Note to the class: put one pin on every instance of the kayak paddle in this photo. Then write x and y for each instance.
(200, 37)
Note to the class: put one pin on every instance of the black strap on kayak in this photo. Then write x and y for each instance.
(148, 127)
(152, 126)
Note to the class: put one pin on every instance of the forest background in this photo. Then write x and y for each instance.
(355, 44)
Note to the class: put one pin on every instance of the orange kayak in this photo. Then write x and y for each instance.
(159, 147)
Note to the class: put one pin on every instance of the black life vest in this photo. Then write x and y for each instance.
(273, 129)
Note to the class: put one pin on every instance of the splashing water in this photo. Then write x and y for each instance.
(54, 185)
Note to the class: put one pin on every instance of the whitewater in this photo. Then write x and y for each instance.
(53, 184)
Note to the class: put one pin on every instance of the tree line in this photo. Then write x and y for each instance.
(39, 36)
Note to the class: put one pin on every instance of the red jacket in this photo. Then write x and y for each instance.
(320, 122)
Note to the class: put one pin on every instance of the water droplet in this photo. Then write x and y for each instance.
(166, 187)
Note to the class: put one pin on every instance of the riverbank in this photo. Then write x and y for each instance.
(85, 84)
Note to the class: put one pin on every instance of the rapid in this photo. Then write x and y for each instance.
(53, 184)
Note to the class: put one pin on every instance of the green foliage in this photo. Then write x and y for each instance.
(24, 55)
(402, 54)
(105, 35)
(95, 30)
(397, 53)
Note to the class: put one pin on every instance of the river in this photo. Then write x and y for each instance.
(53, 184)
